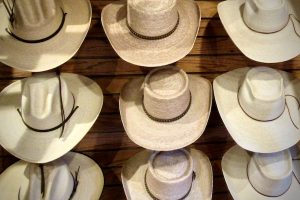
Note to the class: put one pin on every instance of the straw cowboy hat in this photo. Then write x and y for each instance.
(259, 107)
(151, 33)
(167, 110)
(295, 152)
(259, 176)
(168, 175)
(264, 30)
(38, 35)
(46, 115)
(73, 176)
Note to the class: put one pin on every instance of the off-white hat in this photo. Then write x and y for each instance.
(46, 115)
(295, 152)
(264, 30)
(151, 33)
(168, 175)
(167, 110)
(259, 107)
(73, 176)
(38, 35)
(259, 176)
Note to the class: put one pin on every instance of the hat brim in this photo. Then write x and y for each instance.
(268, 48)
(234, 167)
(37, 147)
(133, 174)
(166, 136)
(257, 136)
(151, 53)
(53, 52)
(90, 177)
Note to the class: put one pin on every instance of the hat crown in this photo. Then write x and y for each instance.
(36, 19)
(57, 178)
(261, 94)
(266, 16)
(152, 18)
(40, 105)
(271, 174)
(170, 174)
(166, 92)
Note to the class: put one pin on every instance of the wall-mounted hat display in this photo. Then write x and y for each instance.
(46, 115)
(264, 30)
(259, 107)
(73, 176)
(259, 176)
(168, 175)
(41, 35)
(167, 110)
(151, 33)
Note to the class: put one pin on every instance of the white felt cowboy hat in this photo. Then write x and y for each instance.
(167, 110)
(73, 176)
(168, 175)
(264, 30)
(259, 176)
(259, 107)
(151, 33)
(41, 35)
(46, 115)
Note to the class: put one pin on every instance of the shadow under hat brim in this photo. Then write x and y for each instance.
(151, 53)
(90, 177)
(133, 174)
(38, 147)
(268, 48)
(296, 169)
(53, 52)
(256, 136)
(234, 167)
(165, 136)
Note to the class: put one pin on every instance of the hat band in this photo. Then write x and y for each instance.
(64, 119)
(286, 106)
(167, 120)
(291, 16)
(75, 181)
(145, 37)
(154, 198)
(259, 191)
(12, 19)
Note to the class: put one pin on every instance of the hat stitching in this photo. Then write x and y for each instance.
(43, 39)
(288, 109)
(168, 120)
(154, 198)
(260, 192)
(64, 119)
(154, 37)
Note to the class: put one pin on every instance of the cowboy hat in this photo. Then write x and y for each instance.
(259, 176)
(151, 33)
(167, 110)
(73, 176)
(41, 35)
(168, 175)
(259, 107)
(265, 31)
(46, 115)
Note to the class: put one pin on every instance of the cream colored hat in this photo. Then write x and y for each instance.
(295, 152)
(259, 176)
(73, 176)
(167, 110)
(264, 30)
(46, 115)
(151, 33)
(168, 175)
(38, 35)
(259, 107)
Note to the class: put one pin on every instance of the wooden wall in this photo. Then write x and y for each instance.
(213, 54)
